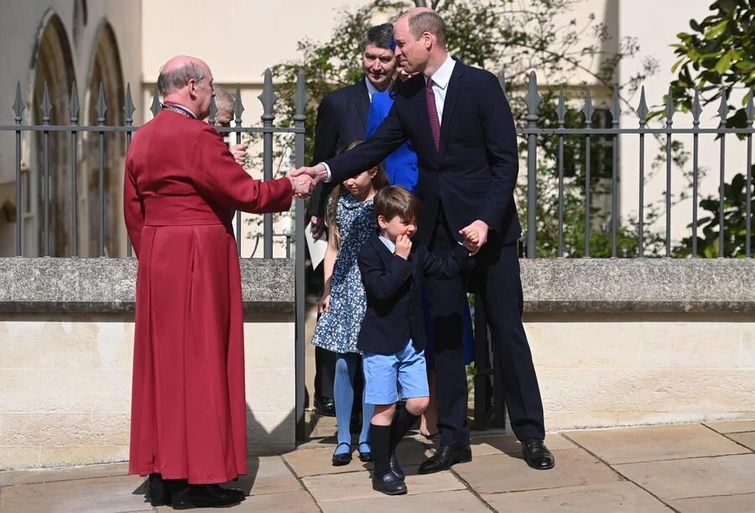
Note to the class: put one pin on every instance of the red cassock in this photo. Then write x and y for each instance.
(188, 410)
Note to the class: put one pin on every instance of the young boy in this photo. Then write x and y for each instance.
(392, 336)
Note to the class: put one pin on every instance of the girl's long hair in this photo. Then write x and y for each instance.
(379, 181)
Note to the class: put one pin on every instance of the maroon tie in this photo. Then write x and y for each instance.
(432, 112)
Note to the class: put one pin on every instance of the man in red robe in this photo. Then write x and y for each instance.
(188, 411)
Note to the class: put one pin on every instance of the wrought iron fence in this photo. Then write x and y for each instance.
(533, 133)
(47, 130)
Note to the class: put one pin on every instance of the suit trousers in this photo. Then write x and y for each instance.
(494, 273)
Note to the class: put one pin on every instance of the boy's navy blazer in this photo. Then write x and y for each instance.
(393, 288)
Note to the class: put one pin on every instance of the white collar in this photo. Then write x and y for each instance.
(388, 244)
(442, 75)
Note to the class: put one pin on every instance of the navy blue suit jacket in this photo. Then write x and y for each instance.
(473, 174)
(393, 288)
(341, 120)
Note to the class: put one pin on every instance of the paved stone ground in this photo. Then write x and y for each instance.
(697, 468)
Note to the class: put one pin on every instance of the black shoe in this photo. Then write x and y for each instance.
(389, 484)
(444, 457)
(342, 459)
(186, 496)
(396, 467)
(325, 406)
(158, 491)
(537, 455)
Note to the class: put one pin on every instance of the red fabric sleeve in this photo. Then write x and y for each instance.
(222, 179)
(133, 209)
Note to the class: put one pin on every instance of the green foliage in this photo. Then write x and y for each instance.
(719, 52)
(734, 226)
(497, 35)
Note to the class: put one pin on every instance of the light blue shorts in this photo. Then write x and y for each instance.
(383, 374)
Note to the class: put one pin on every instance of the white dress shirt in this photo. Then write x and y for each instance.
(441, 78)
(388, 244)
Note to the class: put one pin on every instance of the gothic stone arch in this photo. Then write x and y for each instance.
(105, 69)
(52, 64)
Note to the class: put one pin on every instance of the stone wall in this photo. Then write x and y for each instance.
(66, 338)
(626, 341)
(615, 342)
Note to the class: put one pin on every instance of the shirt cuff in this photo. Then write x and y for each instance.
(328, 178)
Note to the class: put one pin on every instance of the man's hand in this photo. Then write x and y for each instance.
(403, 246)
(318, 226)
(239, 153)
(318, 173)
(302, 185)
(480, 228)
(471, 240)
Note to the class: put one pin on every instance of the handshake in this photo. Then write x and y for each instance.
(304, 179)
(302, 184)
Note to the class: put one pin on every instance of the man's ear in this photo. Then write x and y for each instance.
(193, 88)
(428, 40)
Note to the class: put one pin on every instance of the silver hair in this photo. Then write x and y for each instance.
(223, 99)
(179, 77)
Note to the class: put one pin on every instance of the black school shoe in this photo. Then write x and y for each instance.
(389, 484)
(339, 460)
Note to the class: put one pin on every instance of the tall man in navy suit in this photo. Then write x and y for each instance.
(461, 126)
(341, 120)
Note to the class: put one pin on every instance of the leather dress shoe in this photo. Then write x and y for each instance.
(444, 457)
(186, 496)
(389, 484)
(537, 455)
(325, 406)
(396, 467)
(343, 458)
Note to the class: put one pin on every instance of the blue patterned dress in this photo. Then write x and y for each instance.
(338, 327)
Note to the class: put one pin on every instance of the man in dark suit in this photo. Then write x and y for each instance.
(461, 126)
(341, 120)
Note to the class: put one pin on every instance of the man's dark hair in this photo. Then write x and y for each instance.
(379, 35)
(428, 21)
(394, 201)
(178, 78)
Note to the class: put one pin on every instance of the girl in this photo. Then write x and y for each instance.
(351, 221)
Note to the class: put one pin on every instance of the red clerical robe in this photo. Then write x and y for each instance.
(188, 408)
